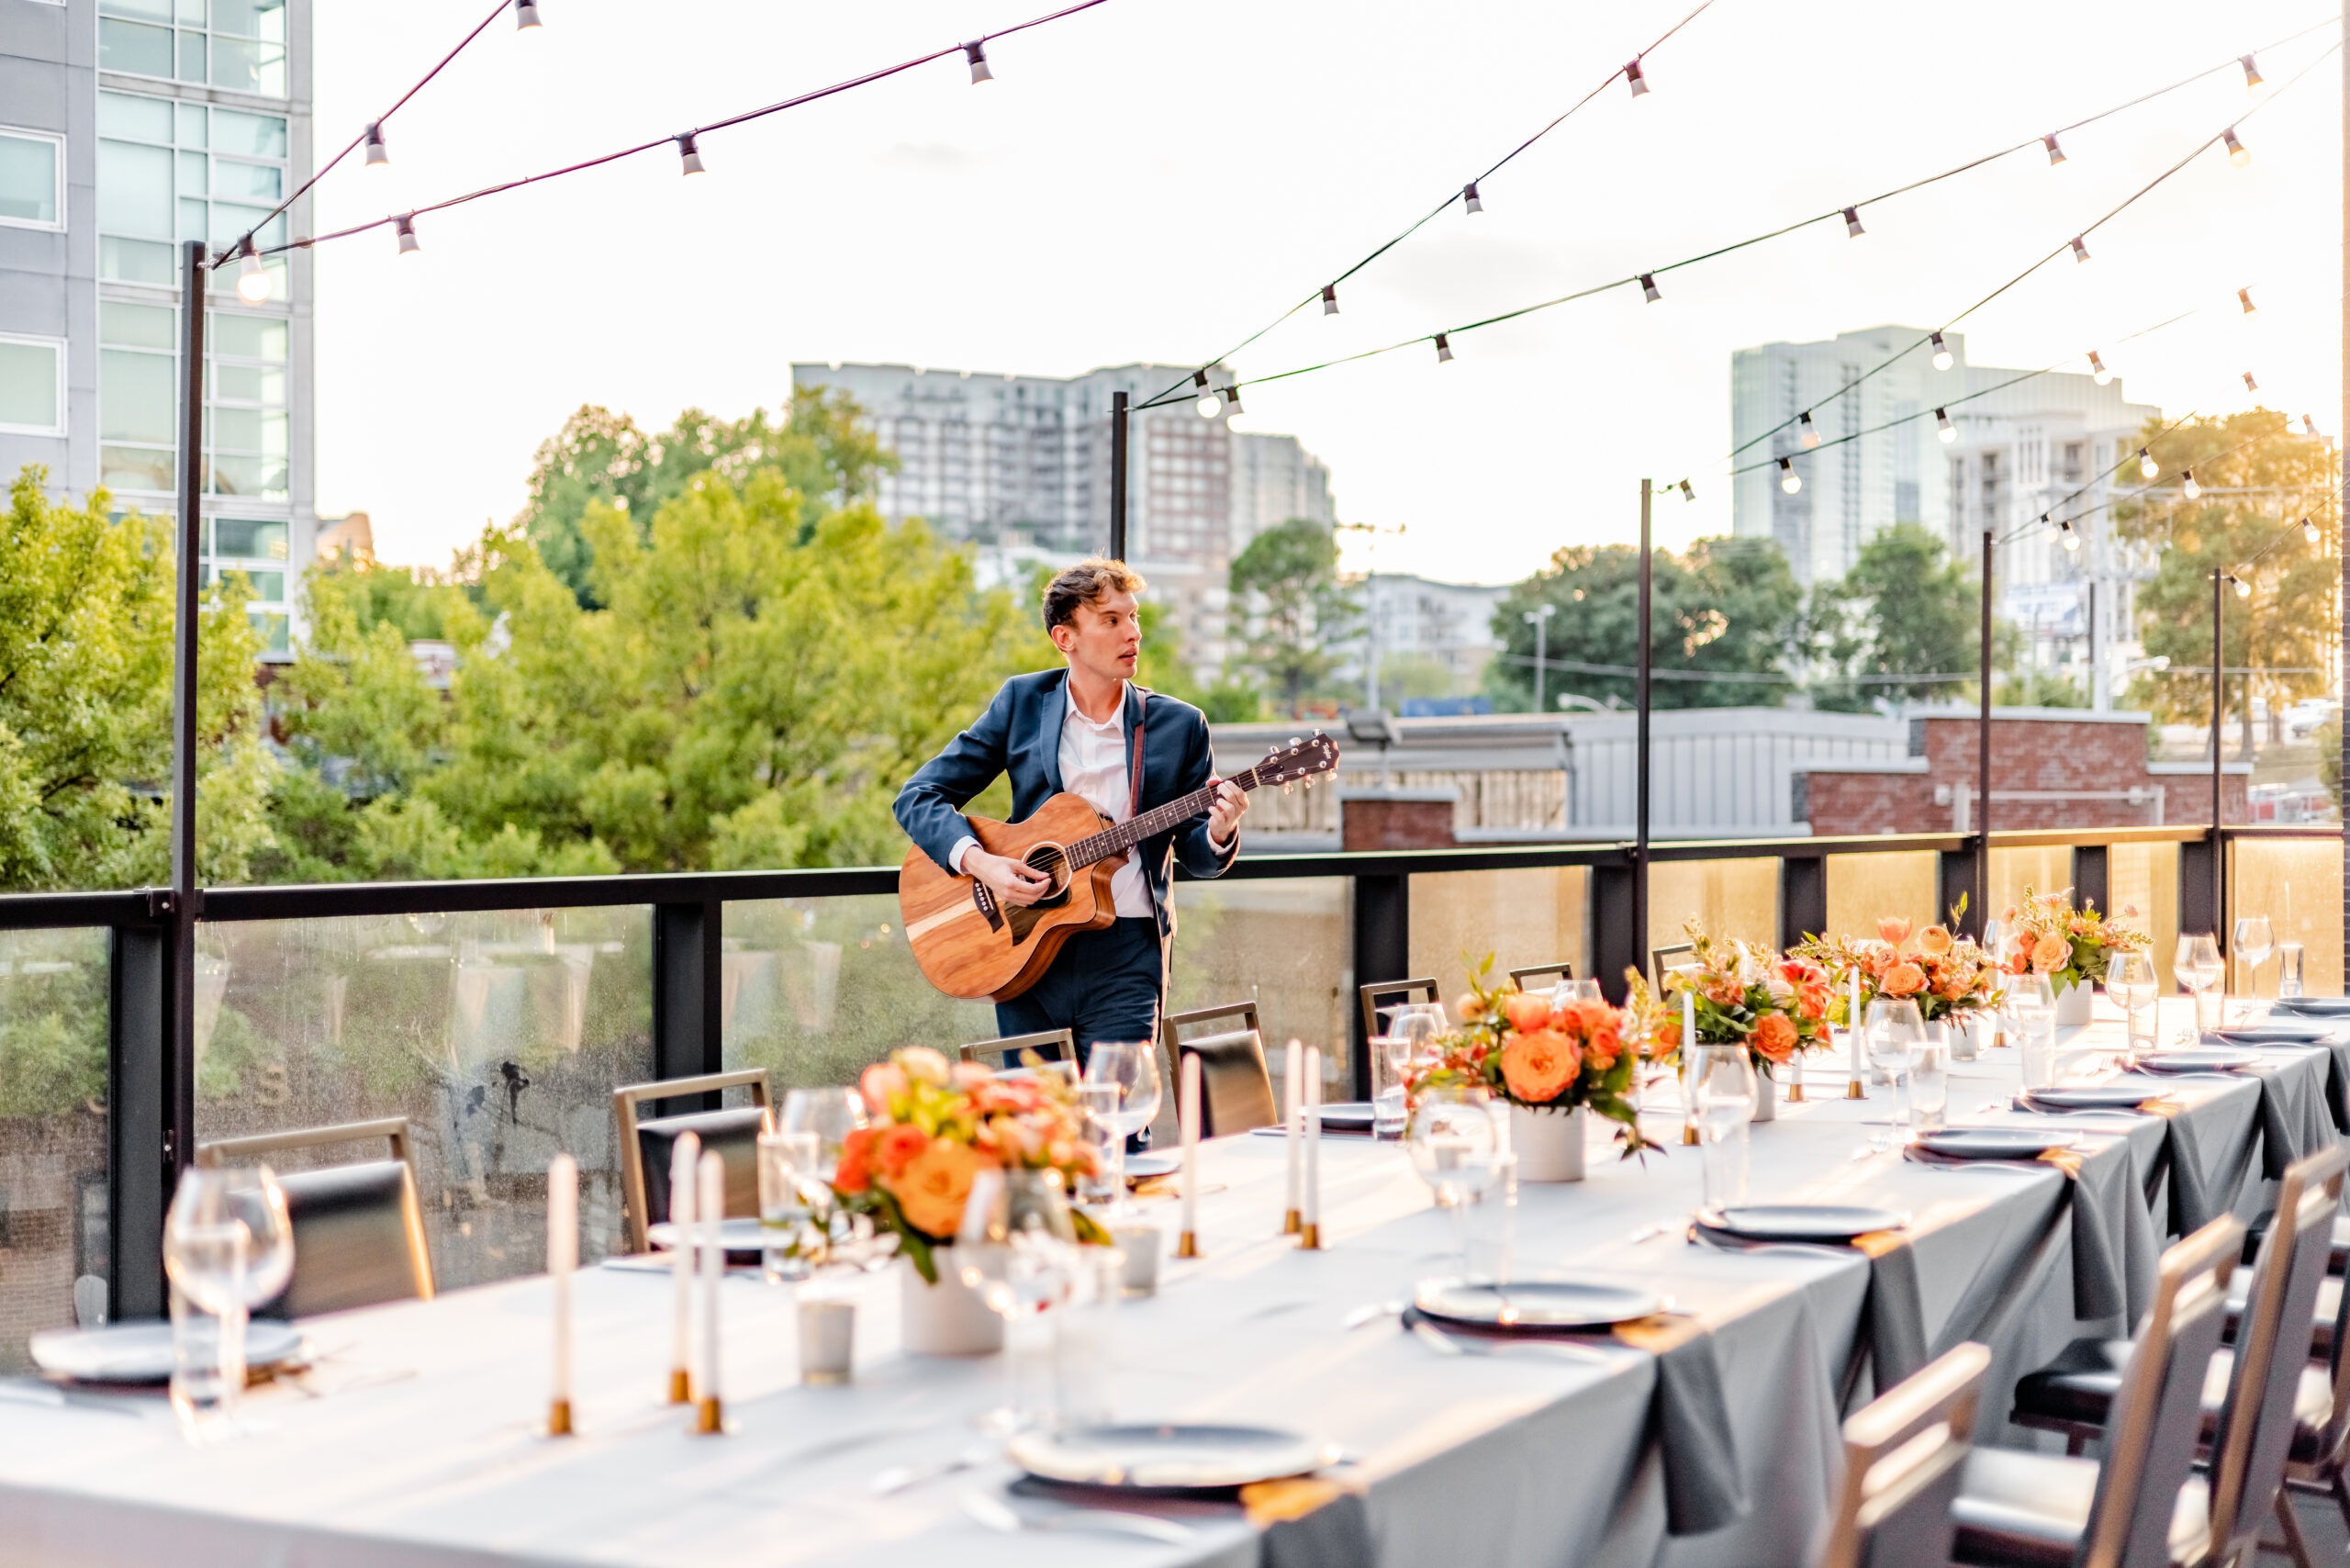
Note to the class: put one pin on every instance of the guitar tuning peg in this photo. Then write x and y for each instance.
(1294, 741)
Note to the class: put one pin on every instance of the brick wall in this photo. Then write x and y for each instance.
(1396, 819)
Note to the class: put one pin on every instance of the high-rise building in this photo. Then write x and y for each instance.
(126, 125)
(1022, 462)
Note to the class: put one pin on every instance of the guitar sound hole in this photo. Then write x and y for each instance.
(1051, 862)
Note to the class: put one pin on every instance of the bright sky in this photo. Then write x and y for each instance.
(1153, 181)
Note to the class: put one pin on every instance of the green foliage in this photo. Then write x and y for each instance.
(86, 610)
(1290, 610)
(1907, 608)
(52, 1022)
(1729, 607)
(599, 457)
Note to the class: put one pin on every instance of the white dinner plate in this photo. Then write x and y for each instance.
(1994, 1143)
(1175, 1457)
(1142, 1167)
(1353, 1115)
(2315, 1006)
(736, 1233)
(2196, 1060)
(2281, 1032)
(1534, 1304)
(2091, 1096)
(142, 1353)
(1800, 1222)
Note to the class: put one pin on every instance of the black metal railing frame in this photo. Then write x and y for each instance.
(151, 1096)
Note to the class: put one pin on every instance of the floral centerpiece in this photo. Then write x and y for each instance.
(1739, 993)
(1549, 1062)
(935, 1127)
(2071, 947)
(1947, 976)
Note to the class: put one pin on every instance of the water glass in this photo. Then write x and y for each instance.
(1492, 1220)
(207, 1361)
(1929, 1077)
(1894, 1028)
(1391, 1061)
(2288, 968)
(1098, 1101)
(1723, 1086)
(788, 1164)
(2030, 1004)
(1017, 1246)
(2131, 983)
(1454, 1144)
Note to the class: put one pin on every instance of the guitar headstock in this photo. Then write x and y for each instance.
(1301, 759)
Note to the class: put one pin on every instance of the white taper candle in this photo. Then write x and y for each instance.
(1191, 1120)
(563, 1261)
(684, 1158)
(1313, 1201)
(1292, 1118)
(710, 1210)
(1852, 1027)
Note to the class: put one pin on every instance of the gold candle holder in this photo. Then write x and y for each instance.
(1309, 1237)
(1293, 1223)
(1794, 1094)
(708, 1420)
(1854, 1089)
(1187, 1245)
(1689, 1133)
(681, 1386)
(559, 1418)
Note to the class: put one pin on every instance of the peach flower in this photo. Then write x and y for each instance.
(2051, 952)
(855, 1170)
(921, 1062)
(1934, 941)
(1602, 1047)
(1527, 1012)
(1539, 1067)
(1893, 930)
(879, 1082)
(1774, 1036)
(898, 1145)
(1469, 1009)
(935, 1185)
(1904, 980)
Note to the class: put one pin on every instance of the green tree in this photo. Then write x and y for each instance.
(819, 447)
(1728, 607)
(1290, 612)
(1907, 608)
(2258, 480)
(86, 611)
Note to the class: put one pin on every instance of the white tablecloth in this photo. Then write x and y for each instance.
(420, 1444)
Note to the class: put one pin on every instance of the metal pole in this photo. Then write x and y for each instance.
(1117, 476)
(1983, 749)
(2341, 445)
(1541, 659)
(2218, 736)
(1641, 733)
(179, 1062)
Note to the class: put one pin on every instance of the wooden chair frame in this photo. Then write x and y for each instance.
(1561, 970)
(625, 1101)
(1007, 1049)
(1372, 993)
(392, 1129)
(1887, 1465)
(1657, 957)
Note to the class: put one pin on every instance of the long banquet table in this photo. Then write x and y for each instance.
(416, 1441)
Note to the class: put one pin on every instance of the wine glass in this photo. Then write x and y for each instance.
(828, 1115)
(2196, 962)
(1017, 1248)
(228, 1247)
(1895, 1028)
(2254, 942)
(1130, 1068)
(2029, 1003)
(2130, 980)
(1454, 1147)
(1723, 1085)
(1570, 991)
(1419, 1024)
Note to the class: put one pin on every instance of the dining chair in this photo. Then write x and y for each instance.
(2139, 1506)
(1235, 1088)
(358, 1229)
(1381, 994)
(1548, 974)
(647, 1144)
(1903, 1455)
(1660, 962)
(1004, 1053)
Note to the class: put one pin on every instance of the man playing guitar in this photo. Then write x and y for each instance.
(1091, 731)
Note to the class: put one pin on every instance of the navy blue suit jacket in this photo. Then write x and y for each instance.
(1021, 734)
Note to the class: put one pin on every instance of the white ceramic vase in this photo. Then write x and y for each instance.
(947, 1318)
(1547, 1144)
(2071, 1007)
(1766, 1092)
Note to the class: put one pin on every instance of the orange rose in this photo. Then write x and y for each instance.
(1602, 1047)
(1934, 941)
(1904, 980)
(2051, 952)
(855, 1172)
(1539, 1067)
(898, 1148)
(1527, 1014)
(1893, 930)
(1774, 1036)
(935, 1184)
(1666, 1041)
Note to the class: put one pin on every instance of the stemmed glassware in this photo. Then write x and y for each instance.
(1894, 1028)
(1119, 1090)
(1456, 1148)
(2200, 967)
(228, 1247)
(2029, 1004)
(2254, 942)
(1017, 1248)
(2130, 981)
(1723, 1085)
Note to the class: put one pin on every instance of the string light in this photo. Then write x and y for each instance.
(526, 15)
(1471, 199)
(2249, 384)
(377, 154)
(2066, 534)
(404, 227)
(2147, 467)
(1789, 481)
(1329, 300)
(2097, 373)
(975, 52)
(2251, 74)
(2055, 153)
(253, 284)
(1810, 431)
(689, 153)
(1443, 348)
(2238, 154)
(2243, 588)
(1209, 405)
(1232, 398)
(2243, 297)
(1689, 492)
(2187, 484)
(1648, 288)
(1944, 358)
(1639, 83)
(1943, 428)
(2309, 530)
(1852, 230)
(2080, 249)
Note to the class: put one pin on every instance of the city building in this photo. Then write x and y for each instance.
(1417, 628)
(126, 125)
(1020, 466)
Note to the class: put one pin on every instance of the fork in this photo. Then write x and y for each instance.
(998, 1515)
(898, 1477)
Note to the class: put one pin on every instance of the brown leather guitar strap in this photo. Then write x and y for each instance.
(1134, 769)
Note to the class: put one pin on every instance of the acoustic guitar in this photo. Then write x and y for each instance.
(971, 945)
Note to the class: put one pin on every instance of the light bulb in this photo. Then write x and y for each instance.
(1648, 288)
(1329, 300)
(2243, 297)
(2147, 467)
(1639, 83)
(2065, 535)
(1209, 405)
(1810, 431)
(1789, 481)
(2055, 153)
(404, 227)
(253, 283)
(526, 14)
(2097, 373)
(2080, 249)
(1232, 398)
(2309, 530)
(1852, 230)
(2243, 588)
(2251, 74)
(1944, 359)
(1687, 494)
(2249, 384)
(1468, 196)
(2238, 154)
(2187, 484)
(1943, 428)
(377, 155)
(976, 54)
(1443, 348)
(689, 153)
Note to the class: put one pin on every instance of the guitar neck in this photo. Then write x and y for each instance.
(1111, 842)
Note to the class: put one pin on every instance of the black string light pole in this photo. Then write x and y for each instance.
(1983, 750)
(1118, 476)
(1643, 672)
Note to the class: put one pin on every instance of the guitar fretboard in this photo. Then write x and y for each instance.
(1117, 840)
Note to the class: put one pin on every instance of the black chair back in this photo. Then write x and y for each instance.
(1663, 961)
(1905, 1453)
(358, 1230)
(2255, 1430)
(1235, 1088)
(1541, 976)
(1052, 1044)
(2157, 1414)
(648, 1144)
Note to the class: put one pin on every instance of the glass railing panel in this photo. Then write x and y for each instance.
(1533, 915)
(1288, 943)
(2141, 883)
(500, 1037)
(2041, 869)
(2297, 883)
(1728, 898)
(1865, 889)
(52, 1128)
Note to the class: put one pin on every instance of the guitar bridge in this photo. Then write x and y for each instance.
(986, 902)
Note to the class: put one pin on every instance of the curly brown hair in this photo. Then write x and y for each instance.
(1085, 583)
